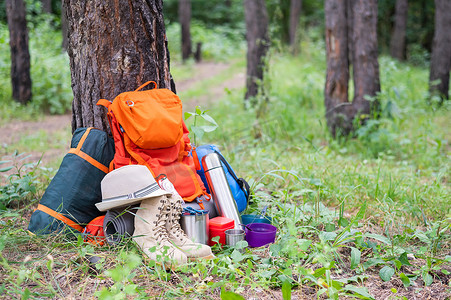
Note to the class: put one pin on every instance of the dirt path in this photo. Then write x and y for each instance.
(14, 131)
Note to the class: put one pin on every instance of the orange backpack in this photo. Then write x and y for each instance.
(148, 129)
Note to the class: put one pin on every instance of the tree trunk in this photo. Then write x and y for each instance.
(113, 47)
(65, 42)
(441, 51)
(337, 77)
(340, 113)
(185, 19)
(365, 63)
(295, 14)
(20, 55)
(398, 38)
(257, 44)
(47, 6)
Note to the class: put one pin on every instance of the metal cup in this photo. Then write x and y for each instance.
(196, 226)
(233, 236)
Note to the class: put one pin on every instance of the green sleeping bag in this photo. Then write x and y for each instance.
(69, 201)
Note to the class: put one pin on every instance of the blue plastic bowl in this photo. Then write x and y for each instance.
(250, 219)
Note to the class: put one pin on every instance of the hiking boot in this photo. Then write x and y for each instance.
(151, 235)
(176, 234)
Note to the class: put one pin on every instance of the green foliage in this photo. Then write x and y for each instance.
(20, 183)
(197, 130)
(50, 73)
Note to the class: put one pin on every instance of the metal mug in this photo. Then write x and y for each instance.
(233, 236)
(196, 226)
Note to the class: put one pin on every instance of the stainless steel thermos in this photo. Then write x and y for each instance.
(220, 189)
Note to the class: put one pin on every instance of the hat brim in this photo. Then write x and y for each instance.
(107, 205)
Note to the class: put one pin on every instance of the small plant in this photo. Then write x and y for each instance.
(21, 184)
(199, 130)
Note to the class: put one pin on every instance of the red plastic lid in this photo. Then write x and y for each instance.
(221, 223)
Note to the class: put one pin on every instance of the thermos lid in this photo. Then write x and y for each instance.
(221, 223)
(211, 161)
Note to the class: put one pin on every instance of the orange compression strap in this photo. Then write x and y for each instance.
(89, 159)
(104, 102)
(60, 217)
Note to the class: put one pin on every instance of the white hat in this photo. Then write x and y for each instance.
(128, 185)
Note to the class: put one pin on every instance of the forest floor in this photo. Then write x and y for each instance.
(52, 134)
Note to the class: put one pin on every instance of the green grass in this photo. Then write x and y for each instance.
(349, 212)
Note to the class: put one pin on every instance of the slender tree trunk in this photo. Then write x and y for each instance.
(47, 6)
(295, 14)
(257, 44)
(350, 22)
(398, 38)
(365, 63)
(441, 51)
(20, 55)
(337, 78)
(113, 47)
(185, 19)
(64, 32)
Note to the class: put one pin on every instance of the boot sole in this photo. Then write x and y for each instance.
(202, 258)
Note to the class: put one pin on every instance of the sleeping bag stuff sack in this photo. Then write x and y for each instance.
(72, 194)
(239, 187)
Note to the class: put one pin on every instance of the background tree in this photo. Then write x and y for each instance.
(113, 48)
(441, 51)
(257, 44)
(47, 6)
(398, 38)
(20, 55)
(185, 19)
(295, 14)
(340, 113)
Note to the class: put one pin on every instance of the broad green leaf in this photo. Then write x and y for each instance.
(267, 273)
(386, 273)
(236, 256)
(378, 237)
(188, 115)
(231, 296)
(286, 290)
(360, 291)
(4, 161)
(209, 119)
(405, 280)
(303, 244)
(355, 257)
(207, 128)
(373, 262)
(404, 260)
(327, 236)
(427, 278)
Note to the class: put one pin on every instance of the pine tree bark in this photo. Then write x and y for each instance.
(398, 38)
(295, 14)
(340, 113)
(65, 42)
(113, 47)
(185, 20)
(20, 54)
(337, 76)
(257, 44)
(365, 63)
(441, 51)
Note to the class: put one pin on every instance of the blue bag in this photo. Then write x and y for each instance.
(239, 187)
